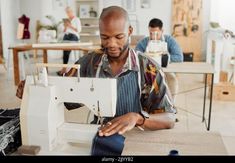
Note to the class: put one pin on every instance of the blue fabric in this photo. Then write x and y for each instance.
(108, 146)
(66, 53)
(176, 54)
(173, 153)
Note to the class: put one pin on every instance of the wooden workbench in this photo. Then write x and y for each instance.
(196, 68)
(85, 47)
(163, 141)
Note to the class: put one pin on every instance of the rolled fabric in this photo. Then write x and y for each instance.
(107, 146)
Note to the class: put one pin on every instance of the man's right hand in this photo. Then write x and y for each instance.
(121, 124)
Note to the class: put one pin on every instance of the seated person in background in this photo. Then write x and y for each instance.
(72, 28)
(176, 54)
(141, 85)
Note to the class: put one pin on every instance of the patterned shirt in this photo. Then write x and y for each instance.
(155, 94)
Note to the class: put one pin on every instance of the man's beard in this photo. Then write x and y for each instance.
(122, 50)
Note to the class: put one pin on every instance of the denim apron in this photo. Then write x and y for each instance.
(128, 90)
(128, 100)
(128, 94)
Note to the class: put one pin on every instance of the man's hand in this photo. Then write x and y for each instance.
(121, 124)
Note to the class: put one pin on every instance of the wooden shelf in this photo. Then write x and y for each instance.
(90, 18)
(87, 1)
(91, 26)
(88, 35)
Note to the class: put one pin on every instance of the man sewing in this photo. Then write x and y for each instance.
(143, 97)
(176, 54)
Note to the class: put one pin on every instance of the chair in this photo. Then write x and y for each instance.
(135, 39)
(22, 59)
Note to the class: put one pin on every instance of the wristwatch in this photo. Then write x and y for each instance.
(145, 116)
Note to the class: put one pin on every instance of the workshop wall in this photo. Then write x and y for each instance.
(44, 7)
(36, 10)
(9, 23)
(222, 11)
(163, 10)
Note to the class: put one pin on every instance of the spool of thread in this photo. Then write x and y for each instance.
(78, 73)
(165, 60)
(173, 153)
(43, 77)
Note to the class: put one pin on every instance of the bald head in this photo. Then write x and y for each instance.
(114, 13)
(115, 31)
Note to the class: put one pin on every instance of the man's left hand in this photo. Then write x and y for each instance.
(120, 124)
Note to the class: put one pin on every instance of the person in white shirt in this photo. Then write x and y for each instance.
(72, 28)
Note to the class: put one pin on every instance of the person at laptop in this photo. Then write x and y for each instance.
(72, 28)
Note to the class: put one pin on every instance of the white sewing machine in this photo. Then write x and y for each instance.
(42, 112)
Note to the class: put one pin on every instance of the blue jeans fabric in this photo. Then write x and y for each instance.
(68, 37)
(107, 146)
